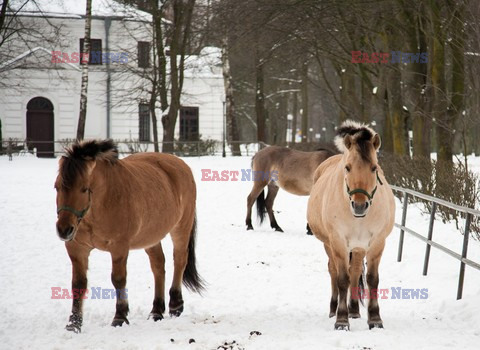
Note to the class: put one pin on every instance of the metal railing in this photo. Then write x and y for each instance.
(428, 240)
(181, 148)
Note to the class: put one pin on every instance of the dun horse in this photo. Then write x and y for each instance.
(351, 210)
(292, 171)
(117, 205)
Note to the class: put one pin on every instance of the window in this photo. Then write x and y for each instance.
(95, 51)
(189, 124)
(143, 122)
(143, 54)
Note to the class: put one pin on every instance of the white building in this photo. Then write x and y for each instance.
(40, 98)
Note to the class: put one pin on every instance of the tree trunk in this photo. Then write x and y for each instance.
(456, 107)
(414, 17)
(260, 98)
(84, 88)
(387, 139)
(159, 84)
(282, 122)
(444, 136)
(395, 108)
(182, 13)
(153, 113)
(305, 102)
(294, 115)
(232, 129)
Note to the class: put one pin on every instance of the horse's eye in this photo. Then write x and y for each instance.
(348, 168)
(374, 169)
(84, 189)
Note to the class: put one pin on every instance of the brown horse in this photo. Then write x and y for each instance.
(351, 210)
(117, 205)
(282, 167)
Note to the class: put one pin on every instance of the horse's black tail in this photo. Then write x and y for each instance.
(191, 278)
(261, 207)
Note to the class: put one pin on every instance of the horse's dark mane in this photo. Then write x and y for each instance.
(362, 135)
(74, 161)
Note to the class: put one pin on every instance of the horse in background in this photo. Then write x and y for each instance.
(351, 209)
(293, 173)
(118, 205)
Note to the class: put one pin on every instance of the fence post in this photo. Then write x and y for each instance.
(429, 238)
(402, 232)
(464, 256)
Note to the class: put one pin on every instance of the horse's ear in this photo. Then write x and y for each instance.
(90, 164)
(376, 142)
(347, 140)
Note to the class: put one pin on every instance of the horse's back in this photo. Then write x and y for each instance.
(295, 168)
(163, 174)
(171, 165)
(327, 164)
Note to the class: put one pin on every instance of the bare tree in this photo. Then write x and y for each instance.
(181, 25)
(84, 88)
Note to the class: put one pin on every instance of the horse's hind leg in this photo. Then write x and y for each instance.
(79, 256)
(157, 263)
(254, 193)
(356, 265)
(272, 193)
(180, 238)
(119, 281)
(309, 231)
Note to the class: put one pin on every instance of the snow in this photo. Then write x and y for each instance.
(264, 281)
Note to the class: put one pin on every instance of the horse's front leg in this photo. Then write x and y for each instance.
(332, 269)
(374, 255)
(79, 256)
(119, 280)
(343, 281)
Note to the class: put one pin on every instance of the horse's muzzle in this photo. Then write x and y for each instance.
(66, 233)
(359, 210)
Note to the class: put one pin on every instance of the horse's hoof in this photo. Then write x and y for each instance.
(310, 233)
(73, 328)
(354, 314)
(118, 322)
(375, 325)
(249, 227)
(156, 316)
(332, 313)
(278, 229)
(342, 326)
(176, 311)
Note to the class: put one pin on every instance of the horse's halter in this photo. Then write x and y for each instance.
(78, 213)
(362, 191)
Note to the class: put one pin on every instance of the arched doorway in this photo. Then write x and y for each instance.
(40, 126)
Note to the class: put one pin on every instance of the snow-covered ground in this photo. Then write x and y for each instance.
(264, 281)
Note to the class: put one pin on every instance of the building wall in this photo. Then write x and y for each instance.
(60, 83)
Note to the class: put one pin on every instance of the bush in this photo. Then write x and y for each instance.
(205, 147)
(444, 180)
